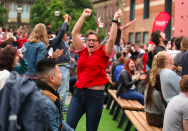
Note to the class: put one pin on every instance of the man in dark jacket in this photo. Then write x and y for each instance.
(49, 79)
(23, 106)
(159, 38)
(59, 42)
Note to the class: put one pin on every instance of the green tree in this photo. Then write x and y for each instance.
(52, 7)
(75, 9)
(2, 12)
(38, 12)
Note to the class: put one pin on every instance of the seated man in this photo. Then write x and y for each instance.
(176, 114)
(49, 79)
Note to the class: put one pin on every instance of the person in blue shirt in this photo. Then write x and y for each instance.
(119, 69)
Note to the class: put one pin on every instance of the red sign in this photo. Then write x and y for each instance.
(160, 22)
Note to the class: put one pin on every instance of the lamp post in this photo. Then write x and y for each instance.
(9, 21)
(19, 11)
(56, 13)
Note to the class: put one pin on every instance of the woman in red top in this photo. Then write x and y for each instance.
(93, 60)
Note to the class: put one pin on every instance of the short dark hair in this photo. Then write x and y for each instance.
(57, 31)
(178, 42)
(7, 56)
(155, 36)
(184, 83)
(118, 55)
(90, 32)
(118, 24)
(46, 65)
(172, 41)
(129, 43)
(3, 29)
(134, 57)
(4, 44)
(48, 23)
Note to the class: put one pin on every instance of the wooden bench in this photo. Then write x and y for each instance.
(138, 119)
(121, 104)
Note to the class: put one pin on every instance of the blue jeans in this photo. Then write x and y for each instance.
(133, 95)
(64, 88)
(89, 102)
(66, 127)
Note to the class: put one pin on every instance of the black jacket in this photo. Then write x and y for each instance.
(23, 106)
(125, 82)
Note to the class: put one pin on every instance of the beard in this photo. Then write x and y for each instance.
(165, 42)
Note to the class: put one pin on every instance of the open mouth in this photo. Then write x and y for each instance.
(90, 46)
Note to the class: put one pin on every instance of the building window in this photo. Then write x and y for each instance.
(131, 36)
(100, 11)
(146, 9)
(132, 10)
(107, 12)
(138, 38)
(103, 12)
(106, 29)
(26, 11)
(114, 9)
(145, 37)
(111, 11)
(12, 10)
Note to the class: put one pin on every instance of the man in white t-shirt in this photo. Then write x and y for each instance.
(176, 114)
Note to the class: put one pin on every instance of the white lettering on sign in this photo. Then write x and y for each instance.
(161, 23)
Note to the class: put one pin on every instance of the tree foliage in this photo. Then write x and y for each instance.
(38, 12)
(2, 12)
(42, 13)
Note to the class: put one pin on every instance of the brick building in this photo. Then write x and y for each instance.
(12, 15)
(145, 11)
(106, 9)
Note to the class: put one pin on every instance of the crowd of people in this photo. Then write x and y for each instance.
(50, 64)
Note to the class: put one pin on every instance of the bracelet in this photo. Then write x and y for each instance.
(115, 21)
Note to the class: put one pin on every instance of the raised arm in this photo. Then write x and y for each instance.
(18, 31)
(59, 37)
(26, 29)
(128, 24)
(76, 30)
(113, 33)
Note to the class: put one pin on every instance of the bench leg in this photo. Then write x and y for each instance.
(128, 126)
(109, 102)
(113, 108)
(122, 120)
(116, 113)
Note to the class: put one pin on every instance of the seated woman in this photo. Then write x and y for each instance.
(118, 69)
(169, 79)
(127, 82)
(154, 104)
(8, 59)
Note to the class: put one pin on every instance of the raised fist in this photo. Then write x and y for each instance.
(87, 12)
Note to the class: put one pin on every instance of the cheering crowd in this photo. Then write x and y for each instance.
(37, 71)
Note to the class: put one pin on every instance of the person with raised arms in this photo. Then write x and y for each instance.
(93, 60)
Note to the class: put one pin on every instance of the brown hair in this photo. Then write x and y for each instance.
(158, 62)
(155, 37)
(72, 46)
(184, 47)
(126, 67)
(90, 32)
(129, 49)
(7, 56)
(184, 83)
(178, 42)
(10, 39)
(150, 91)
(172, 41)
(39, 34)
(121, 60)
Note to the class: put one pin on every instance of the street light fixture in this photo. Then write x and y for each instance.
(19, 11)
(9, 21)
(56, 13)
